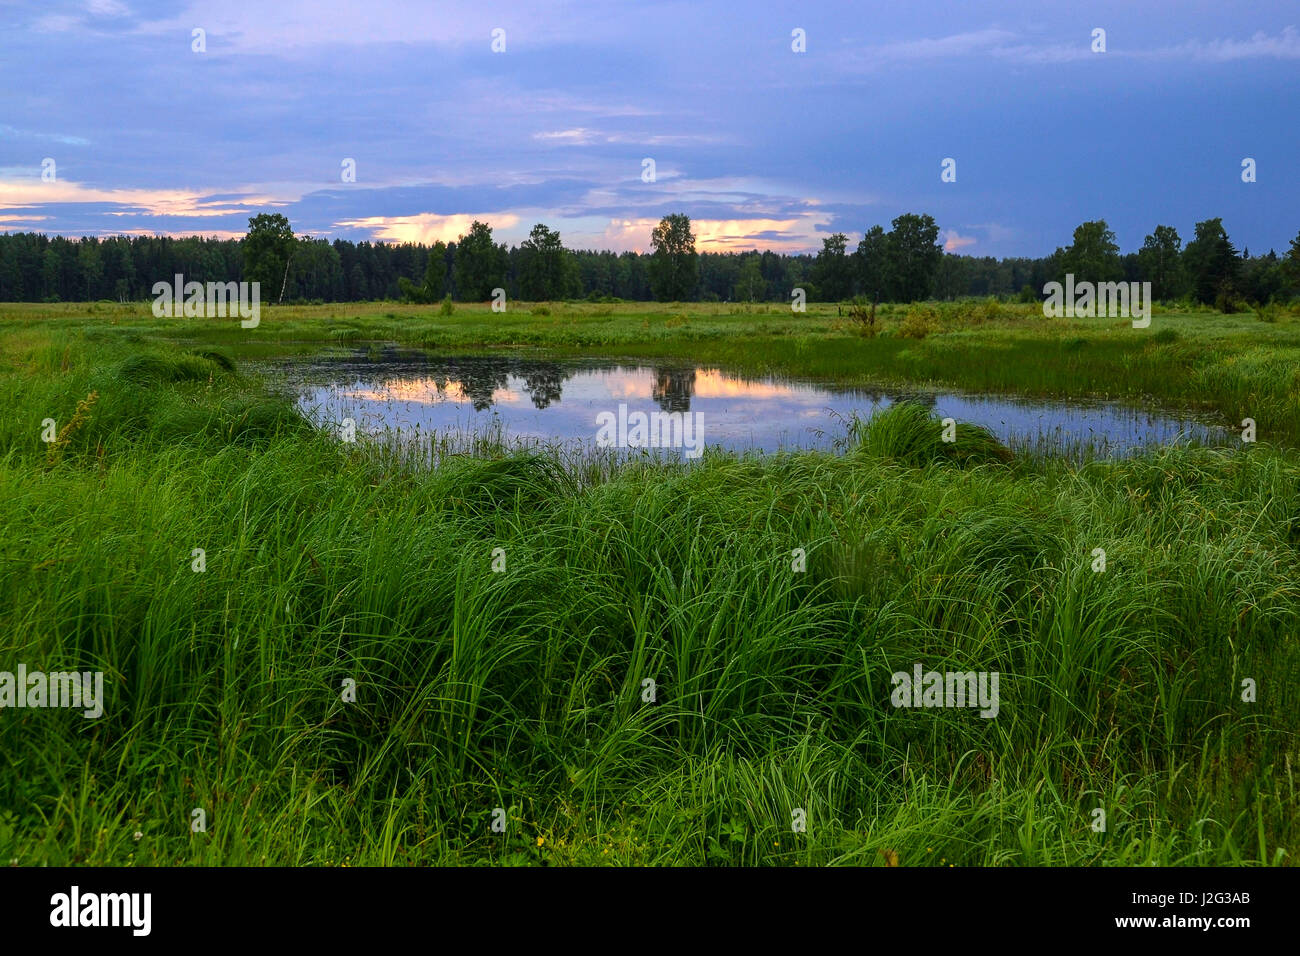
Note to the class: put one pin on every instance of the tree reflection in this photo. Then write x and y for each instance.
(673, 388)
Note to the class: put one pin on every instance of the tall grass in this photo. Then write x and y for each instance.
(525, 688)
(1229, 367)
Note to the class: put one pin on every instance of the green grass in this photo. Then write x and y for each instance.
(1225, 367)
(524, 689)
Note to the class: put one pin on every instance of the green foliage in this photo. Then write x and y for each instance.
(1093, 256)
(833, 270)
(674, 264)
(1161, 263)
(1212, 265)
(901, 265)
(547, 270)
(267, 249)
(912, 256)
(908, 434)
(480, 264)
(523, 689)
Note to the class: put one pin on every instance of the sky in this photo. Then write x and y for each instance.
(763, 146)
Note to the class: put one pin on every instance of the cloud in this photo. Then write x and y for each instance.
(567, 137)
(953, 242)
(797, 233)
(107, 8)
(13, 133)
(32, 193)
(56, 23)
(582, 136)
(1285, 46)
(294, 25)
(995, 231)
(956, 44)
(427, 227)
(1007, 45)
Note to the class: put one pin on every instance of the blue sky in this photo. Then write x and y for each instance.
(762, 146)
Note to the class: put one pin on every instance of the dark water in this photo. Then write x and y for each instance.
(559, 401)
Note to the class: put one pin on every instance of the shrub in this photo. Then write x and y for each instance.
(155, 369)
(864, 314)
(908, 434)
(220, 359)
(1266, 312)
(918, 323)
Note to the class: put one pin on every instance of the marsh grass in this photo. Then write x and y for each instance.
(523, 689)
(1225, 367)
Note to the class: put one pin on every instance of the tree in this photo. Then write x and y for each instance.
(315, 272)
(1262, 278)
(872, 262)
(1212, 264)
(912, 257)
(267, 249)
(1291, 263)
(435, 272)
(749, 285)
(546, 270)
(92, 266)
(674, 263)
(480, 264)
(1160, 262)
(833, 270)
(1093, 256)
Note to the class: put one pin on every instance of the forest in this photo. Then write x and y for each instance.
(905, 264)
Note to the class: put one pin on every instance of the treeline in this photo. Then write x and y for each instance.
(904, 264)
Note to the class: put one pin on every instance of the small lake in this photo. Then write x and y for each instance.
(398, 394)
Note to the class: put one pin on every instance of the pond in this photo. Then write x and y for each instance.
(600, 402)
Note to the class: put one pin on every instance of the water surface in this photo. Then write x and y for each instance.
(397, 393)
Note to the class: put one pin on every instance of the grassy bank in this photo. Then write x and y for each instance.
(525, 688)
(1227, 368)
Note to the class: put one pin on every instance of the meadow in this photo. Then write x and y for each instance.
(677, 664)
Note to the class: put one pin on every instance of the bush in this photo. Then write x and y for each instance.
(446, 308)
(918, 323)
(155, 369)
(1225, 302)
(864, 314)
(220, 359)
(1266, 312)
(908, 434)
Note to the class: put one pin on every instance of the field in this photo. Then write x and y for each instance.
(655, 676)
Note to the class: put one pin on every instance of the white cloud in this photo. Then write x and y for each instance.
(952, 242)
(107, 8)
(427, 227)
